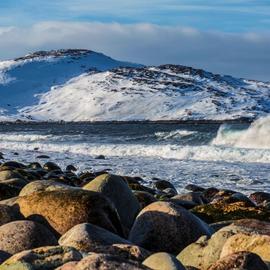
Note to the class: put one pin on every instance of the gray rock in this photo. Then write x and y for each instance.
(164, 226)
(163, 261)
(21, 235)
(89, 238)
(117, 190)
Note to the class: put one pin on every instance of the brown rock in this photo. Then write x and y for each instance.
(164, 226)
(258, 244)
(240, 261)
(62, 210)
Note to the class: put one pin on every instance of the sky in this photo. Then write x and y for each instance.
(222, 36)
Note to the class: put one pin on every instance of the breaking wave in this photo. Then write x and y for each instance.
(257, 136)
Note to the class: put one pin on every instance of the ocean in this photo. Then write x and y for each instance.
(233, 156)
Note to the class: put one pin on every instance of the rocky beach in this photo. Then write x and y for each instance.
(61, 218)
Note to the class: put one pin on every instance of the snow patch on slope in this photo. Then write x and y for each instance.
(153, 93)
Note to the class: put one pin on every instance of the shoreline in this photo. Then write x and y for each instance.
(121, 223)
(182, 122)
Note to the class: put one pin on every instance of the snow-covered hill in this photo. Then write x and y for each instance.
(25, 79)
(78, 85)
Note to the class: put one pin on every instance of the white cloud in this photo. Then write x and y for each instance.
(245, 55)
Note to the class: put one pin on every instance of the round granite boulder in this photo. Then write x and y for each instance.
(21, 235)
(87, 238)
(62, 210)
(117, 190)
(163, 261)
(164, 226)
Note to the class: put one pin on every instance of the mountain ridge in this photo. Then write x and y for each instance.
(95, 87)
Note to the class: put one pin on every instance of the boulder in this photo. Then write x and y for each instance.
(260, 197)
(163, 261)
(62, 210)
(117, 190)
(88, 238)
(43, 185)
(96, 261)
(164, 226)
(258, 244)
(205, 252)
(240, 261)
(220, 211)
(47, 258)
(194, 197)
(8, 214)
(11, 188)
(9, 174)
(144, 198)
(21, 235)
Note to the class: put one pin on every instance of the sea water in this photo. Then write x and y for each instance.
(234, 156)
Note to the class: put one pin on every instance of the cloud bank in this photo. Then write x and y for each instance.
(238, 54)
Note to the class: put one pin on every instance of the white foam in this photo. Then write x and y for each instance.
(174, 134)
(256, 136)
(202, 153)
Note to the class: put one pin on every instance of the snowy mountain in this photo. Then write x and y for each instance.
(80, 85)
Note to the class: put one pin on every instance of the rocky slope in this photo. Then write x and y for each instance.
(80, 85)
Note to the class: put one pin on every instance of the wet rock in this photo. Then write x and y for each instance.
(88, 238)
(258, 244)
(216, 212)
(47, 258)
(117, 190)
(51, 166)
(194, 197)
(144, 198)
(194, 188)
(164, 226)
(9, 174)
(241, 261)
(209, 193)
(71, 168)
(42, 157)
(21, 235)
(106, 262)
(163, 184)
(35, 165)
(260, 197)
(235, 197)
(100, 157)
(62, 210)
(43, 185)
(13, 164)
(163, 261)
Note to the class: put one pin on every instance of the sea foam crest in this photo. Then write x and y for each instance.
(256, 136)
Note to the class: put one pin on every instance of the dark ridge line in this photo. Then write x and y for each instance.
(188, 122)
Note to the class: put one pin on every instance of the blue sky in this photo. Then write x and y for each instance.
(223, 36)
(222, 15)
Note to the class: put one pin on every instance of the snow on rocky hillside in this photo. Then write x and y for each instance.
(86, 86)
(25, 79)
